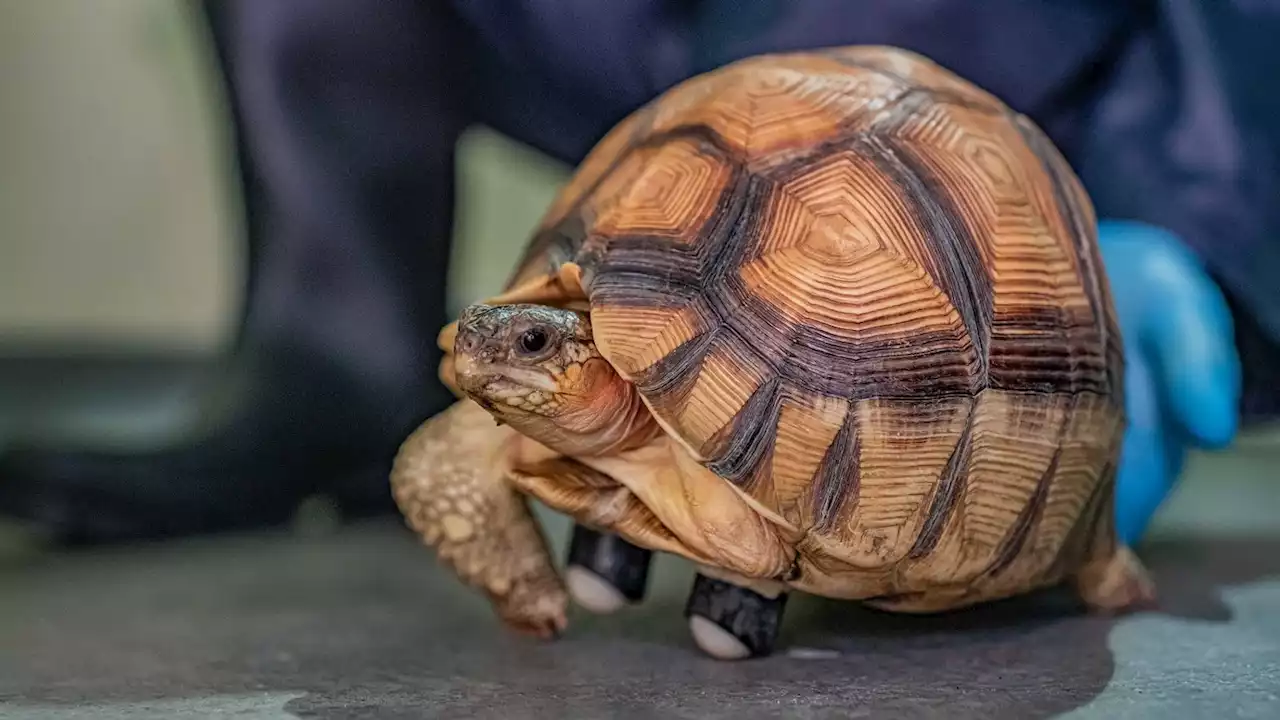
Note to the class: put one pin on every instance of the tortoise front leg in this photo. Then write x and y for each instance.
(731, 615)
(605, 572)
(450, 480)
(614, 534)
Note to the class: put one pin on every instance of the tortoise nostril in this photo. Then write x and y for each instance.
(466, 343)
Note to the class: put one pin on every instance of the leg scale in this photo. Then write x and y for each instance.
(1117, 584)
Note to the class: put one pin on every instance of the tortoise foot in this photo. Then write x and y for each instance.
(730, 622)
(1117, 584)
(605, 572)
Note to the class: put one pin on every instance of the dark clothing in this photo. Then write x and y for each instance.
(347, 115)
(350, 112)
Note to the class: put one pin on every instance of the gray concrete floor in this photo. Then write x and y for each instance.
(360, 623)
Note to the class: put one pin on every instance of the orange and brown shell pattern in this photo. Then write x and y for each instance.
(869, 295)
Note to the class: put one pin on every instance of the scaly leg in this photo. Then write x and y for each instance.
(614, 535)
(734, 615)
(451, 482)
(1112, 578)
(1116, 583)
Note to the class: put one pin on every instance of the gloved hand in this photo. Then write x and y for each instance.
(1182, 369)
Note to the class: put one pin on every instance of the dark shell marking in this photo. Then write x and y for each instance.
(869, 294)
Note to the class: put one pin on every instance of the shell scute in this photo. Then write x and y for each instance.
(869, 295)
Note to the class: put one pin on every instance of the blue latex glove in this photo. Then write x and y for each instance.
(1182, 369)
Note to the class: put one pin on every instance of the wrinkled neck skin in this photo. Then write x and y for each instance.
(537, 369)
(609, 420)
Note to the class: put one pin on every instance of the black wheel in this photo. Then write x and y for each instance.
(731, 622)
(606, 572)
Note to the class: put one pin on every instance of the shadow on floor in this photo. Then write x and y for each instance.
(362, 624)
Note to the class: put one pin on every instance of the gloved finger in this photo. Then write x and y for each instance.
(1189, 335)
(1151, 457)
(1148, 466)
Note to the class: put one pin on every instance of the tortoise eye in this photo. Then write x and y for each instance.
(533, 341)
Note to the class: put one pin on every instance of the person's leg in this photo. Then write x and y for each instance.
(347, 115)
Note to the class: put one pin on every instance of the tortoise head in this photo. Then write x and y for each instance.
(536, 368)
(526, 357)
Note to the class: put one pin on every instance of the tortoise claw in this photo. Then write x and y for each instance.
(1117, 584)
(604, 571)
(730, 622)
(547, 625)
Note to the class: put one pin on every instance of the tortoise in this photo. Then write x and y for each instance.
(831, 322)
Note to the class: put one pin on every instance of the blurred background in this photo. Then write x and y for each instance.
(122, 242)
(121, 220)
(122, 257)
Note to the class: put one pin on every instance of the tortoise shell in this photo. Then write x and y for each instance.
(866, 293)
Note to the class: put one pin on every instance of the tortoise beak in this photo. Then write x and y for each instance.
(473, 366)
(466, 368)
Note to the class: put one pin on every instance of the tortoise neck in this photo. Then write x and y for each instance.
(611, 420)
